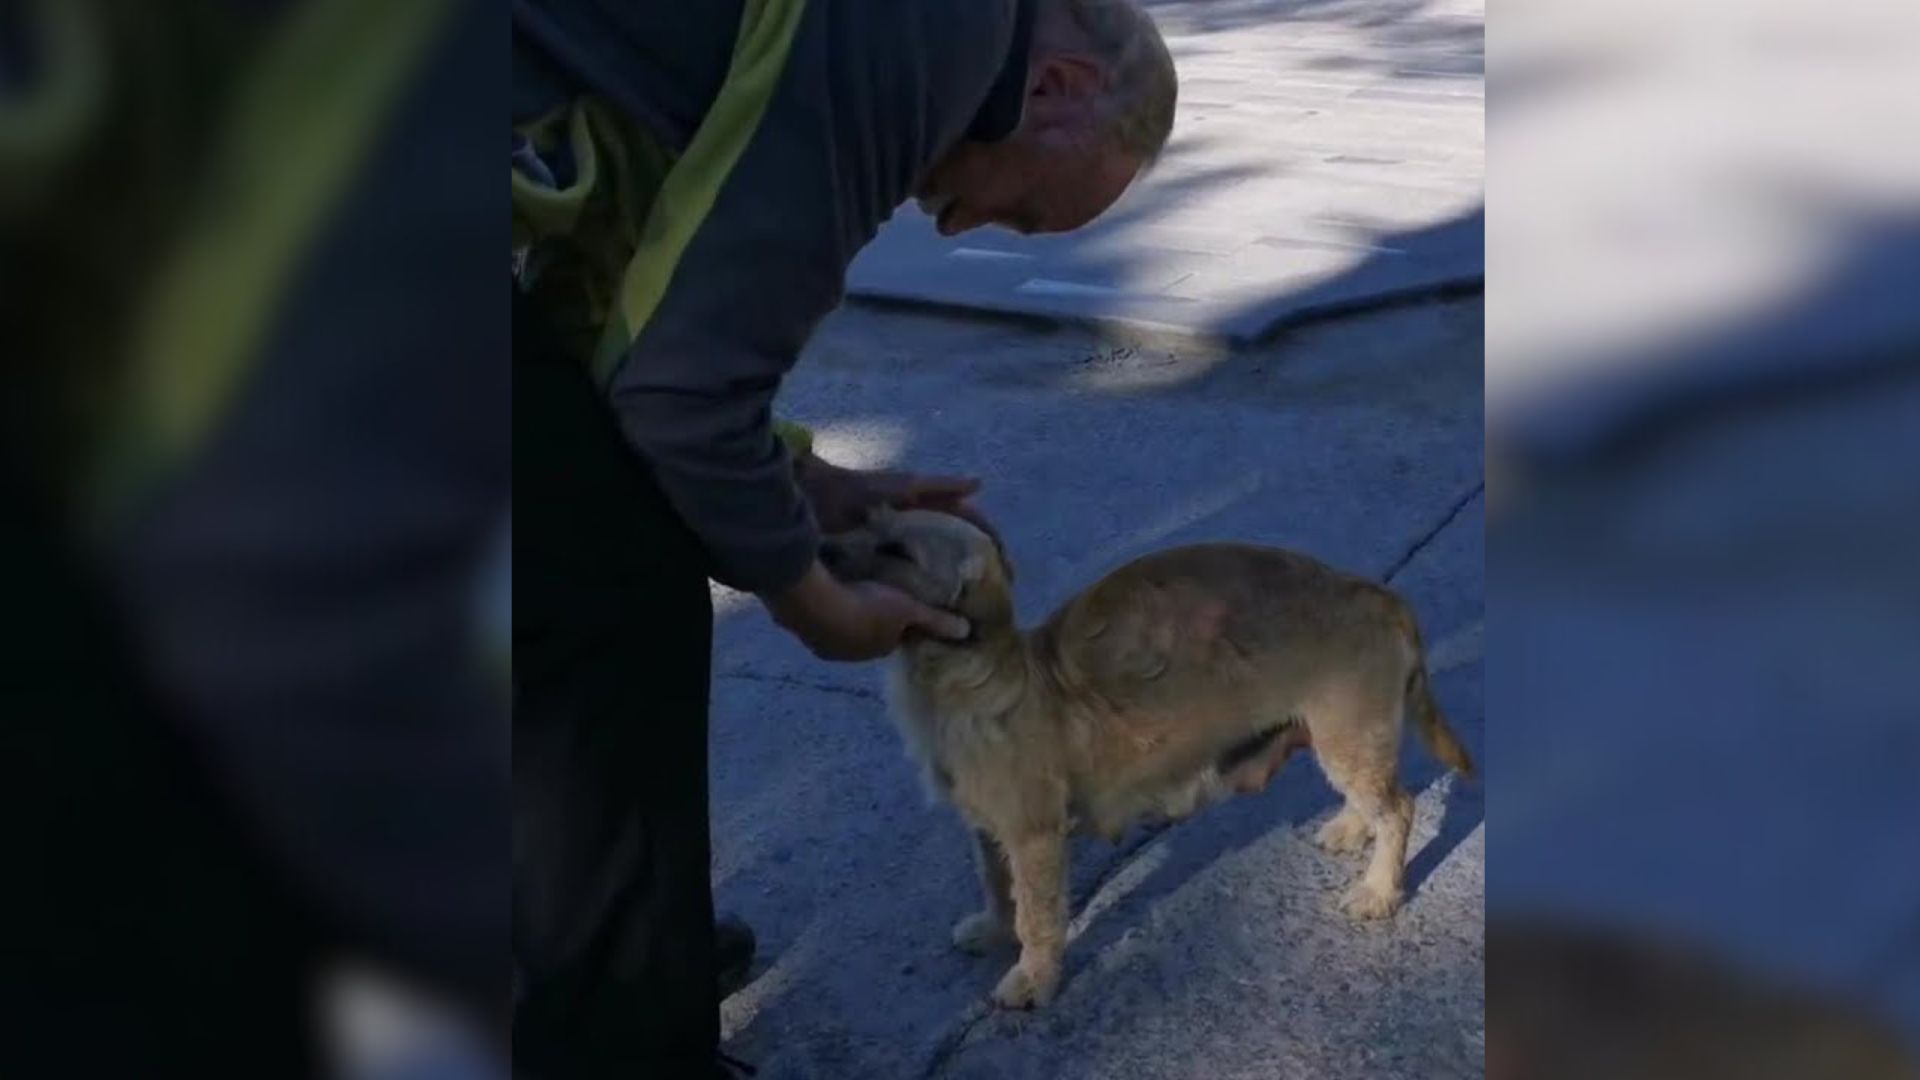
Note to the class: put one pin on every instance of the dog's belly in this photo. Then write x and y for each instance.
(1170, 770)
(1110, 812)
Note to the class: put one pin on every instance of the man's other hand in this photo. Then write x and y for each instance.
(859, 621)
(842, 498)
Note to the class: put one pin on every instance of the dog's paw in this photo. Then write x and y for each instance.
(980, 933)
(1020, 990)
(1365, 902)
(1343, 834)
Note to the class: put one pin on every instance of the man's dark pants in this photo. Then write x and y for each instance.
(613, 909)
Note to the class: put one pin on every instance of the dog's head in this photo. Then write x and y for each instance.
(938, 558)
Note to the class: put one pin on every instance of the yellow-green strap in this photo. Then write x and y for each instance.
(306, 119)
(687, 195)
(579, 237)
(540, 211)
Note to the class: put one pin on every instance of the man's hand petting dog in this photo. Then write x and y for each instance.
(860, 621)
(865, 620)
(842, 498)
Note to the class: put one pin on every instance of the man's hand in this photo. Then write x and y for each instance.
(860, 621)
(842, 498)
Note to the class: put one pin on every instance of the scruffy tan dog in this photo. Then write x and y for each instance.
(1174, 681)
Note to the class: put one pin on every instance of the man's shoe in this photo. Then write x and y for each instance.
(733, 946)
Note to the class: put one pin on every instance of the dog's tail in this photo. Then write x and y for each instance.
(1428, 721)
(1432, 726)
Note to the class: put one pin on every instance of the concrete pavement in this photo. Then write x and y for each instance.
(1326, 154)
(1212, 948)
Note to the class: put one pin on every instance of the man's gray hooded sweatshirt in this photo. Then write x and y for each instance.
(791, 130)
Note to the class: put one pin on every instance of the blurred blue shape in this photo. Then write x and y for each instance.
(1707, 614)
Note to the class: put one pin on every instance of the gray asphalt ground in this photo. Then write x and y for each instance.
(1210, 949)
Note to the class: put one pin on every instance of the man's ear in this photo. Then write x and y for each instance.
(1064, 78)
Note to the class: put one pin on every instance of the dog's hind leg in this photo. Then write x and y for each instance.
(1038, 862)
(1389, 810)
(1361, 760)
(984, 931)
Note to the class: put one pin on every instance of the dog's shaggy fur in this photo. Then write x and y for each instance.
(1174, 681)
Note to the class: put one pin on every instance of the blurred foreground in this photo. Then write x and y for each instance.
(1703, 369)
(255, 521)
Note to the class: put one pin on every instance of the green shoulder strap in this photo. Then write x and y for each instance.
(687, 194)
(603, 248)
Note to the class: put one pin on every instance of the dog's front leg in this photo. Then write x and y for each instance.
(1037, 861)
(984, 931)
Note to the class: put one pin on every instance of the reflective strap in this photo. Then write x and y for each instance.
(540, 209)
(687, 195)
(579, 235)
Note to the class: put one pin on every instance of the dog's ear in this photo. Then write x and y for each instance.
(972, 568)
(967, 575)
(985, 594)
(966, 511)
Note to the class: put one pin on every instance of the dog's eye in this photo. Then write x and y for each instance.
(894, 549)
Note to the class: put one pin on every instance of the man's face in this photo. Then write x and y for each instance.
(1025, 184)
(1055, 173)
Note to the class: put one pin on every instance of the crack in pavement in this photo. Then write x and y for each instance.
(950, 1043)
(1420, 544)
